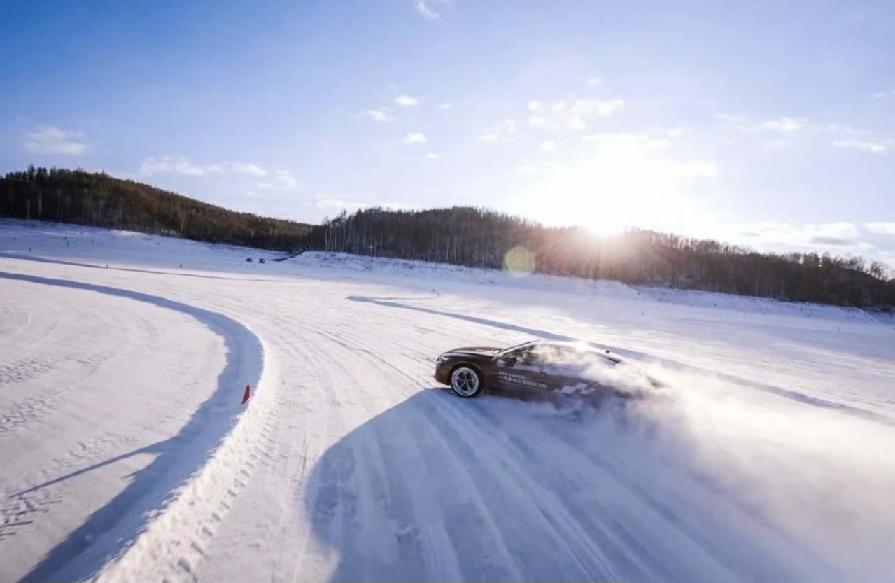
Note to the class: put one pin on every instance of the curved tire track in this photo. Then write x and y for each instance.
(194, 463)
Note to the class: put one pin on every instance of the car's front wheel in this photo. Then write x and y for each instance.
(466, 381)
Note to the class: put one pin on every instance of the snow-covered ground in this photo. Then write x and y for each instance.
(126, 454)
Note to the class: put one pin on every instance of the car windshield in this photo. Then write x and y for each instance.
(523, 346)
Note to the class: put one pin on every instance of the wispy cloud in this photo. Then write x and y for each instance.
(251, 169)
(862, 145)
(783, 124)
(574, 114)
(841, 238)
(337, 202)
(170, 165)
(880, 228)
(500, 131)
(280, 180)
(415, 138)
(883, 94)
(869, 240)
(429, 8)
(405, 100)
(787, 132)
(52, 140)
(445, 105)
(629, 140)
(381, 115)
(839, 234)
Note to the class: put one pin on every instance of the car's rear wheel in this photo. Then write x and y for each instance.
(466, 381)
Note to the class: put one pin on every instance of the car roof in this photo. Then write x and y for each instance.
(578, 346)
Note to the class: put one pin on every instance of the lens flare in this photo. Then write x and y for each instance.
(519, 260)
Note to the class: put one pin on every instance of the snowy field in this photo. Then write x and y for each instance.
(126, 455)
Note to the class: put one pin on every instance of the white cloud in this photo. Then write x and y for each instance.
(52, 140)
(582, 111)
(574, 115)
(415, 138)
(628, 140)
(445, 106)
(841, 238)
(407, 100)
(281, 180)
(880, 228)
(380, 115)
(593, 81)
(286, 179)
(883, 94)
(429, 8)
(251, 169)
(432, 156)
(501, 131)
(863, 145)
(674, 132)
(779, 145)
(826, 235)
(169, 165)
(548, 146)
(783, 124)
(337, 202)
(692, 168)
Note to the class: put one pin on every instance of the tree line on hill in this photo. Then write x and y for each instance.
(460, 235)
(482, 238)
(97, 199)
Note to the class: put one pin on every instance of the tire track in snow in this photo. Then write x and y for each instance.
(372, 471)
(640, 356)
(152, 525)
(597, 544)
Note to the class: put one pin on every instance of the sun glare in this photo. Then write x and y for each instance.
(615, 189)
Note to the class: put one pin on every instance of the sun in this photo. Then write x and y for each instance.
(618, 189)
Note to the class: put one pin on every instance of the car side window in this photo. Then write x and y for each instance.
(520, 355)
(531, 356)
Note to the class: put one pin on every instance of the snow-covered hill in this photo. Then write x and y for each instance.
(127, 453)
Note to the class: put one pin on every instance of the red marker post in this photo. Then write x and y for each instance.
(246, 394)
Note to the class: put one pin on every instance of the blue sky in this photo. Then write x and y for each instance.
(765, 124)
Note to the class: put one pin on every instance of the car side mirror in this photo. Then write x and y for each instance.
(507, 361)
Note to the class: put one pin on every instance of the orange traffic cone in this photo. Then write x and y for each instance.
(246, 395)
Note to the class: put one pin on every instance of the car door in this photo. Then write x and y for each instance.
(563, 368)
(520, 369)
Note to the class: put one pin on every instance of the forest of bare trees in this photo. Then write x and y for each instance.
(97, 199)
(482, 238)
(459, 235)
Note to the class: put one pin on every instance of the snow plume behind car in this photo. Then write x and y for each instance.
(600, 372)
(809, 482)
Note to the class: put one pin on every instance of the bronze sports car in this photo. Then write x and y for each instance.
(538, 365)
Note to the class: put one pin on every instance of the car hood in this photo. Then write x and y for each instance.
(468, 351)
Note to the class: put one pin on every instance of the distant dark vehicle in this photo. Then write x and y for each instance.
(542, 366)
(248, 259)
(261, 260)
